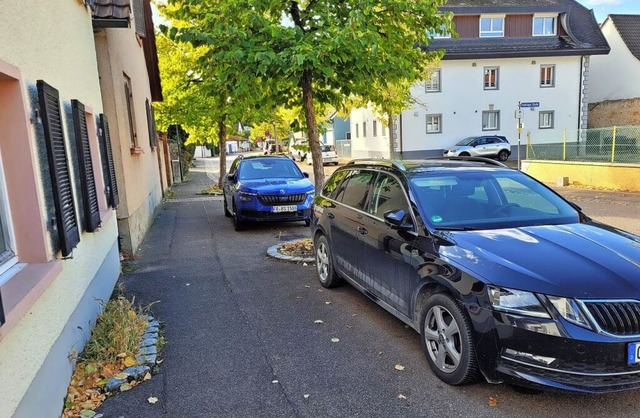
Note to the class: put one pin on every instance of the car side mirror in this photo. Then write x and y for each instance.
(305, 174)
(231, 177)
(394, 219)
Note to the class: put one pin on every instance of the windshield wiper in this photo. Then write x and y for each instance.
(455, 228)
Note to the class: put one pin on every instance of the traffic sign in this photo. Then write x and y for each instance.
(519, 114)
(530, 104)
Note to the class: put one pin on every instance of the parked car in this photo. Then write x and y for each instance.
(501, 276)
(329, 155)
(266, 188)
(481, 146)
(299, 149)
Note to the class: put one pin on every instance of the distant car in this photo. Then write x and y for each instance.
(481, 146)
(329, 155)
(298, 150)
(501, 276)
(266, 188)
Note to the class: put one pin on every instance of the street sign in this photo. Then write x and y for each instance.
(519, 114)
(530, 104)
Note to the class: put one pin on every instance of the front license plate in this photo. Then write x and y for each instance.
(633, 353)
(288, 208)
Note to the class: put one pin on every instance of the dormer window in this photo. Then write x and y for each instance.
(544, 25)
(492, 26)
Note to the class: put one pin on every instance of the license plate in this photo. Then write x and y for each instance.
(287, 208)
(633, 353)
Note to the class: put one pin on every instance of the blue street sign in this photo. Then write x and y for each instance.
(530, 104)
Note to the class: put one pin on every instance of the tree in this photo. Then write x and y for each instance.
(308, 51)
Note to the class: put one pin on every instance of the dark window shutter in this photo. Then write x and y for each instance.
(151, 122)
(66, 222)
(87, 178)
(132, 131)
(138, 17)
(112, 192)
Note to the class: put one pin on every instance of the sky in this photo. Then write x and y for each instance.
(602, 8)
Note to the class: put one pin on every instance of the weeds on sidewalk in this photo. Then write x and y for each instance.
(112, 347)
(213, 190)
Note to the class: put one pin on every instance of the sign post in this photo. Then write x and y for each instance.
(519, 115)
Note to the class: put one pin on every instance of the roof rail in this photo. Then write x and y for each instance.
(395, 163)
(475, 159)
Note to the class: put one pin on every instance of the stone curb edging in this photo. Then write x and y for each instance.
(274, 253)
(147, 357)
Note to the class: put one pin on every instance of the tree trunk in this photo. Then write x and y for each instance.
(222, 142)
(391, 138)
(314, 136)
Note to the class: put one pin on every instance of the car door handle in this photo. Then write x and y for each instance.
(362, 230)
(330, 215)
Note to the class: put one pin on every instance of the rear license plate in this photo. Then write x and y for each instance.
(633, 353)
(287, 208)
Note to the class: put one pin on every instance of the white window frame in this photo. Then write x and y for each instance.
(10, 257)
(554, 20)
(497, 78)
(544, 82)
(488, 127)
(433, 84)
(546, 119)
(434, 120)
(491, 33)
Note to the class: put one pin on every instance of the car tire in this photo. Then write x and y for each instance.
(324, 263)
(503, 155)
(226, 207)
(447, 342)
(307, 222)
(465, 154)
(238, 224)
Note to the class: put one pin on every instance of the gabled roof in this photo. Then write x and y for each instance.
(583, 35)
(628, 27)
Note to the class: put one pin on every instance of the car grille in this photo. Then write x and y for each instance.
(616, 317)
(274, 199)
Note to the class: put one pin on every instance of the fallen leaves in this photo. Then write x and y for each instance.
(300, 248)
(399, 367)
(335, 340)
(492, 401)
(130, 361)
(401, 396)
(152, 400)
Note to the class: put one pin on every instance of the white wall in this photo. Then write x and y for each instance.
(368, 146)
(462, 99)
(616, 75)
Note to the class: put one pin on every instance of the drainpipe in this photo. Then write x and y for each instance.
(400, 135)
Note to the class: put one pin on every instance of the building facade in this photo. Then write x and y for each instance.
(513, 55)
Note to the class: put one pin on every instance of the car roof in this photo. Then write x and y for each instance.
(412, 167)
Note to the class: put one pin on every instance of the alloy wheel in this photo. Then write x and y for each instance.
(322, 262)
(443, 339)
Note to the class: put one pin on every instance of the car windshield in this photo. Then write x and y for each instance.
(466, 141)
(488, 199)
(268, 168)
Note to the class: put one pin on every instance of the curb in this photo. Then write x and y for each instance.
(274, 253)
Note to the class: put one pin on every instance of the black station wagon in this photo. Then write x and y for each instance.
(501, 276)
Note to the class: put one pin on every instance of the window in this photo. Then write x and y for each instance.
(364, 129)
(52, 119)
(375, 128)
(354, 190)
(151, 123)
(7, 252)
(357, 132)
(544, 26)
(490, 120)
(128, 97)
(491, 78)
(434, 124)
(388, 195)
(440, 33)
(330, 187)
(85, 166)
(433, 84)
(546, 119)
(547, 75)
(491, 27)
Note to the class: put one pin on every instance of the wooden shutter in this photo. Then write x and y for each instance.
(138, 17)
(66, 223)
(128, 97)
(112, 187)
(87, 178)
(151, 122)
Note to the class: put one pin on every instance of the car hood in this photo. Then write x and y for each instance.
(586, 260)
(275, 185)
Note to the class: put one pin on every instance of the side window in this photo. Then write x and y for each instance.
(354, 190)
(388, 194)
(330, 187)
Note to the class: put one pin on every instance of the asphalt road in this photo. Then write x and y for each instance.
(242, 339)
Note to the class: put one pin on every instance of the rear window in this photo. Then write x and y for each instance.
(327, 148)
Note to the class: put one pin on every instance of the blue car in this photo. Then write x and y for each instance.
(267, 188)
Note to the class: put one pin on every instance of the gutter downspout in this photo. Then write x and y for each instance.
(400, 135)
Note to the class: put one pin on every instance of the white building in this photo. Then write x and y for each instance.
(516, 52)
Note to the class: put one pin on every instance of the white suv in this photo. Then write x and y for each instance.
(481, 146)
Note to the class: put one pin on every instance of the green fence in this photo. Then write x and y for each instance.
(617, 144)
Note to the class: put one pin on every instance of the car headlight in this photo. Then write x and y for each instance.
(516, 301)
(246, 197)
(570, 310)
(311, 193)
